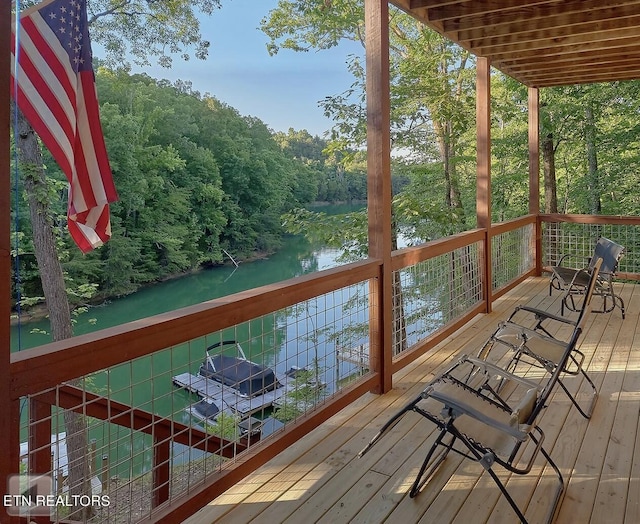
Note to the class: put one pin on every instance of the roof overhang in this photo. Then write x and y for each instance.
(542, 43)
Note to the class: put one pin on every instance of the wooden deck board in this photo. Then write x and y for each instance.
(321, 479)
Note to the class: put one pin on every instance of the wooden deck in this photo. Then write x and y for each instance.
(320, 479)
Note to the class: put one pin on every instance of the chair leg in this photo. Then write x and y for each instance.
(556, 502)
(616, 299)
(433, 461)
(506, 494)
(512, 503)
(389, 424)
(620, 302)
(586, 414)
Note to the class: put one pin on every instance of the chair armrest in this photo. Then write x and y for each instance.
(571, 255)
(497, 370)
(542, 315)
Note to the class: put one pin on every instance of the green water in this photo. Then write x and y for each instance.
(297, 257)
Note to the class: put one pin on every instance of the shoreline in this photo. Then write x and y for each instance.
(40, 311)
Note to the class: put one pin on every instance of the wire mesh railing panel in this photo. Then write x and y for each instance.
(579, 240)
(430, 294)
(119, 442)
(512, 255)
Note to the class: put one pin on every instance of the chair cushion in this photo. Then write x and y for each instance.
(525, 407)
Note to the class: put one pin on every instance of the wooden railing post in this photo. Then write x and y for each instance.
(40, 458)
(483, 170)
(39, 438)
(379, 186)
(10, 409)
(161, 466)
(534, 174)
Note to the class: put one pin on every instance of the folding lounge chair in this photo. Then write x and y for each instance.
(536, 346)
(573, 282)
(476, 419)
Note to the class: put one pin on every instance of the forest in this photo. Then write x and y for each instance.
(195, 180)
(199, 183)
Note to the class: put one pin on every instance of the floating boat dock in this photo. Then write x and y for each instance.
(227, 398)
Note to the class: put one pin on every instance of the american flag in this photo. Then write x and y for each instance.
(57, 94)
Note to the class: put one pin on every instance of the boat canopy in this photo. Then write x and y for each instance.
(247, 377)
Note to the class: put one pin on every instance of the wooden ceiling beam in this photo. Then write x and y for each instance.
(580, 77)
(564, 64)
(561, 35)
(561, 44)
(440, 10)
(539, 17)
(542, 42)
(552, 56)
(569, 73)
(583, 80)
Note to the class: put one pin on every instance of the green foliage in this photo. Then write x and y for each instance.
(307, 391)
(432, 121)
(194, 178)
(141, 29)
(225, 426)
(346, 231)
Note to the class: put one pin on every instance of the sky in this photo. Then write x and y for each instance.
(282, 90)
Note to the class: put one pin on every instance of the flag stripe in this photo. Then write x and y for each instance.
(29, 76)
(105, 187)
(37, 112)
(38, 69)
(57, 93)
(48, 137)
(42, 43)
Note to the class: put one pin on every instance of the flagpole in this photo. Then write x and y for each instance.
(10, 421)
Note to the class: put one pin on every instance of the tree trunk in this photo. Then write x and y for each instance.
(452, 189)
(593, 177)
(53, 286)
(550, 197)
(549, 163)
(453, 200)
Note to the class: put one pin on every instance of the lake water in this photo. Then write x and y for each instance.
(297, 257)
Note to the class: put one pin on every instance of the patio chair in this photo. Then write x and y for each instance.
(477, 420)
(535, 346)
(573, 282)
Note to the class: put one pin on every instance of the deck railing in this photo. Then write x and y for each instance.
(512, 252)
(147, 448)
(120, 381)
(151, 447)
(577, 235)
(436, 285)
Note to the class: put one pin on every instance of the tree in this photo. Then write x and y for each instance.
(150, 28)
(431, 97)
(140, 29)
(432, 84)
(53, 285)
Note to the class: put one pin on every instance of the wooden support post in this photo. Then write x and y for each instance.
(161, 466)
(534, 173)
(40, 439)
(40, 456)
(483, 192)
(9, 407)
(379, 186)
(92, 457)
